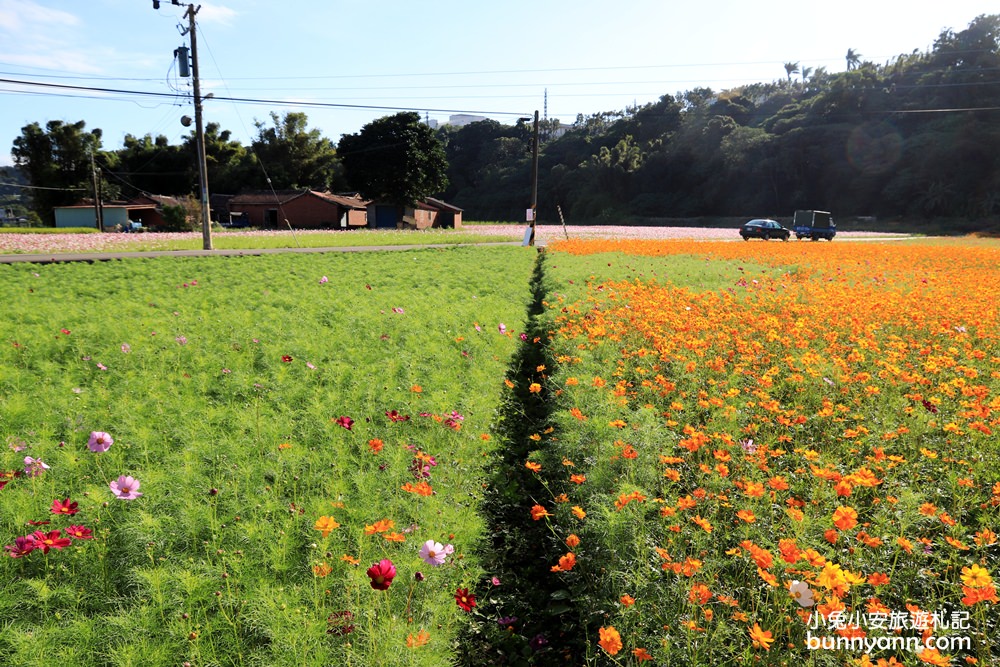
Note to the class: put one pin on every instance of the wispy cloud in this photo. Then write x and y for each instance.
(216, 14)
(20, 16)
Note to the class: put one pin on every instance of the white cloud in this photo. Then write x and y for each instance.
(216, 14)
(21, 16)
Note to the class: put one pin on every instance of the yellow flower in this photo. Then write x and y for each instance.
(976, 577)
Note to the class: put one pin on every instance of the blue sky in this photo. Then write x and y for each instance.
(495, 59)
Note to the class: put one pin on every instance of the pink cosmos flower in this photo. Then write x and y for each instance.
(181, 340)
(126, 348)
(99, 442)
(502, 328)
(310, 366)
(398, 311)
(34, 467)
(125, 488)
(324, 280)
(433, 553)
(101, 366)
(346, 422)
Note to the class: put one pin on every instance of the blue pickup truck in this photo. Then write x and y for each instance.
(814, 225)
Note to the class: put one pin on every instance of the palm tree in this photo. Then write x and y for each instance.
(790, 69)
(853, 59)
(806, 71)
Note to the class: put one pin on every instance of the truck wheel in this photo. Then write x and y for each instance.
(814, 238)
(786, 237)
(745, 238)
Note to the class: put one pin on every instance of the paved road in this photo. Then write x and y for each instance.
(106, 256)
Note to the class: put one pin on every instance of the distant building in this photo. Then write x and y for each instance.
(460, 119)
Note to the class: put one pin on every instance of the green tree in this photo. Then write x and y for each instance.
(153, 166)
(790, 69)
(396, 159)
(853, 59)
(56, 161)
(293, 156)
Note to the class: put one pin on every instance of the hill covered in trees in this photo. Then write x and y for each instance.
(918, 136)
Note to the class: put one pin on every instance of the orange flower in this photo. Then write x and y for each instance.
(578, 512)
(579, 415)
(325, 525)
(376, 445)
(285, 445)
(754, 489)
(420, 639)
(350, 560)
(578, 479)
(538, 512)
(699, 594)
(928, 509)
(746, 515)
(567, 562)
(533, 467)
(572, 541)
(416, 389)
(627, 600)
(394, 537)
(380, 526)
(322, 569)
(535, 388)
(845, 518)
(702, 523)
(641, 654)
(421, 488)
(878, 579)
(761, 638)
(610, 640)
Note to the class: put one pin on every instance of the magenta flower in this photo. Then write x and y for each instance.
(502, 328)
(66, 506)
(181, 340)
(398, 311)
(99, 442)
(381, 574)
(22, 546)
(433, 553)
(125, 488)
(80, 532)
(346, 422)
(50, 540)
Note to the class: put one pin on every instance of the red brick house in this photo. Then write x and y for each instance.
(303, 209)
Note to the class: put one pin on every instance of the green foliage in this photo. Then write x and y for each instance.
(176, 219)
(292, 155)
(396, 159)
(58, 158)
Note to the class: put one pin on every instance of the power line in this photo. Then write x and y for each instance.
(247, 100)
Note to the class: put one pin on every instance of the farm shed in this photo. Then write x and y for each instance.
(304, 209)
(424, 215)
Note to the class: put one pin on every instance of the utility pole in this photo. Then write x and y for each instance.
(206, 222)
(98, 211)
(534, 179)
